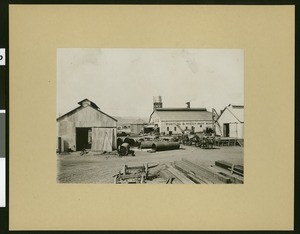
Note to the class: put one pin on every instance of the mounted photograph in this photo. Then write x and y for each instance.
(150, 116)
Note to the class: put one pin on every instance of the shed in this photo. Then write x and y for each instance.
(138, 126)
(231, 122)
(86, 127)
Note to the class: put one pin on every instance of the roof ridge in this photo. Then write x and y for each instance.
(81, 107)
(180, 109)
(234, 114)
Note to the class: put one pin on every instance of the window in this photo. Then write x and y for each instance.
(186, 128)
(167, 128)
(174, 128)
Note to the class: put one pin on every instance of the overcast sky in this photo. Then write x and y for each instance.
(122, 82)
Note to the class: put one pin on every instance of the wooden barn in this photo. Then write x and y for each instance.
(86, 127)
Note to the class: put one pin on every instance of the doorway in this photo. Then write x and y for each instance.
(83, 138)
(226, 130)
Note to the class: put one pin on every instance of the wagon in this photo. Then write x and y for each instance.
(206, 142)
(132, 175)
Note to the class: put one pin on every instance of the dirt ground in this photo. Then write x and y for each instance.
(74, 168)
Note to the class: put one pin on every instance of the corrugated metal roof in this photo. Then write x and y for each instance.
(184, 114)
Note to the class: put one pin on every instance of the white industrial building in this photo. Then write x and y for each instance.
(177, 120)
(230, 123)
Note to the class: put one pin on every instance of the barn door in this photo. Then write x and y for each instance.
(102, 139)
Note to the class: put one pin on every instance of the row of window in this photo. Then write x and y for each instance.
(168, 128)
(186, 128)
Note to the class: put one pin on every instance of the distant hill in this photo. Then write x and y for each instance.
(130, 119)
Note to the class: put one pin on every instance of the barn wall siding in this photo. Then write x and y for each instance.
(86, 117)
(67, 132)
(102, 139)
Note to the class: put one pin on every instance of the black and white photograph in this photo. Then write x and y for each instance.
(150, 116)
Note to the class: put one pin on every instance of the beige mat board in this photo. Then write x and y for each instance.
(264, 201)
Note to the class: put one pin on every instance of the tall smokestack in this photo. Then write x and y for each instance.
(188, 104)
(157, 102)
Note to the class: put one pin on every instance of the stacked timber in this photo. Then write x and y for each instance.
(182, 177)
(191, 174)
(187, 172)
(169, 177)
(202, 173)
(235, 179)
(238, 169)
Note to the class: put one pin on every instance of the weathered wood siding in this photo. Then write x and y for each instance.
(85, 117)
(103, 139)
(67, 132)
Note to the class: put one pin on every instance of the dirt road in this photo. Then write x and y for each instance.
(74, 168)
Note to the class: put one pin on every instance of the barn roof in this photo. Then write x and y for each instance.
(183, 114)
(237, 111)
(93, 105)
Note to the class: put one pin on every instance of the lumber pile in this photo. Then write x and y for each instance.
(237, 169)
(188, 172)
(235, 179)
(169, 177)
(206, 174)
(179, 175)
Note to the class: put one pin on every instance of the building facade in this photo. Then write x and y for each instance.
(230, 123)
(86, 127)
(177, 120)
